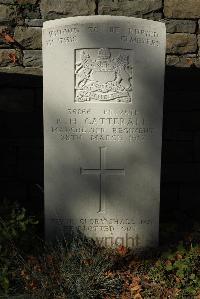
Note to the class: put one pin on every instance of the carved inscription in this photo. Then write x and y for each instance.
(103, 88)
(132, 35)
(120, 125)
(108, 226)
(103, 75)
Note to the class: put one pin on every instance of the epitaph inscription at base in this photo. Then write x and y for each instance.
(103, 92)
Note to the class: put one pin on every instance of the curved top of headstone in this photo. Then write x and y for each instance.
(96, 18)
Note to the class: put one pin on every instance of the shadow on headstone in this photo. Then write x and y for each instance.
(21, 140)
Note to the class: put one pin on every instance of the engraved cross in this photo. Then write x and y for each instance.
(101, 172)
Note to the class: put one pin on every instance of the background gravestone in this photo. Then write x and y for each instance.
(103, 90)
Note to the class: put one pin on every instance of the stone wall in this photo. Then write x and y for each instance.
(21, 133)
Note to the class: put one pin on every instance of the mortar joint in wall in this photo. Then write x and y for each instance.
(197, 31)
(96, 11)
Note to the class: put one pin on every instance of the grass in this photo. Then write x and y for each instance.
(81, 269)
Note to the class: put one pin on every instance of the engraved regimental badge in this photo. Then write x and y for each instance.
(103, 75)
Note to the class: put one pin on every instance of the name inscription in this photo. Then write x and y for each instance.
(115, 126)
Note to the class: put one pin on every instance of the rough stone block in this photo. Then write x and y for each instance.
(34, 22)
(183, 61)
(198, 39)
(19, 70)
(52, 9)
(8, 13)
(32, 12)
(197, 62)
(24, 2)
(32, 58)
(128, 8)
(185, 26)
(29, 38)
(17, 100)
(8, 57)
(181, 43)
(3, 45)
(155, 16)
(3, 29)
(182, 9)
(7, 1)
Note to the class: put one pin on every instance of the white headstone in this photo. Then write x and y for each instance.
(103, 101)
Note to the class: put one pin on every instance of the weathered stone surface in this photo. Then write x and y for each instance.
(19, 18)
(3, 45)
(31, 12)
(197, 62)
(198, 39)
(182, 9)
(29, 38)
(184, 26)
(7, 57)
(52, 9)
(128, 8)
(181, 43)
(21, 70)
(34, 22)
(4, 29)
(32, 58)
(156, 16)
(17, 100)
(7, 1)
(181, 61)
(7, 13)
(24, 2)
